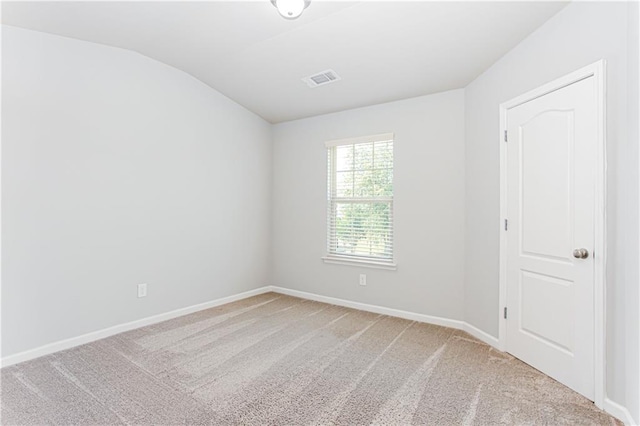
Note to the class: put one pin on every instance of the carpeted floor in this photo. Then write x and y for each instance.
(279, 360)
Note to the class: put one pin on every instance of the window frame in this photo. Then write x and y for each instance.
(333, 200)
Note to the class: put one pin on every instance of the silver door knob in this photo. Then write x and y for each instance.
(581, 253)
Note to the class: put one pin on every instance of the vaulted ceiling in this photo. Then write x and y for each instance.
(382, 50)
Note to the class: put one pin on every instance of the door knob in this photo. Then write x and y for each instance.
(581, 253)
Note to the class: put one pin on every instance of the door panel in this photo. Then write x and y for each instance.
(550, 207)
(556, 295)
(546, 207)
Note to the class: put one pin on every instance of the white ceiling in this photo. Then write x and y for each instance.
(383, 51)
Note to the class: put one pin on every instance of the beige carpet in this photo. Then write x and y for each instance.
(279, 360)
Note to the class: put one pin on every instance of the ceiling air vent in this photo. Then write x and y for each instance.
(322, 78)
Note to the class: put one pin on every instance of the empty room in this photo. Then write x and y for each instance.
(317, 212)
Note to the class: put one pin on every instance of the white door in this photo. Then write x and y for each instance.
(551, 154)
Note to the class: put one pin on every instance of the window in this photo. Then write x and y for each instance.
(360, 201)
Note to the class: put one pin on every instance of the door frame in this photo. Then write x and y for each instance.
(597, 71)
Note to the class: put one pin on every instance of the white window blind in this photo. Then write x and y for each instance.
(360, 199)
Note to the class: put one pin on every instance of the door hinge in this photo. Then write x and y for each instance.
(505, 136)
(505, 312)
(506, 224)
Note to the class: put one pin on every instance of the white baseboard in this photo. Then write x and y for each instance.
(619, 411)
(445, 322)
(107, 332)
(481, 335)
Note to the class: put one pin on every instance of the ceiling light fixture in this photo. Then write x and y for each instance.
(290, 9)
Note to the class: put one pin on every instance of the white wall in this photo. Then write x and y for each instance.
(119, 170)
(428, 205)
(580, 34)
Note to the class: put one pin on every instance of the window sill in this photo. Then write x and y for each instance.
(337, 260)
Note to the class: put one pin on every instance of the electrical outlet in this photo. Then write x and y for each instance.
(363, 279)
(142, 290)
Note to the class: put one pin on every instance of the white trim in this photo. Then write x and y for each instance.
(429, 319)
(121, 328)
(596, 70)
(600, 243)
(107, 332)
(445, 322)
(619, 411)
(350, 261)
(479, 334)
(382, 137)
(502, 280)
